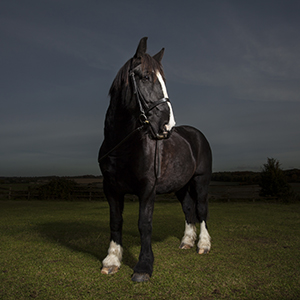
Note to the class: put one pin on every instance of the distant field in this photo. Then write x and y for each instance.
(82, 180)
(53, 250)
(91, 189)
(237, 191)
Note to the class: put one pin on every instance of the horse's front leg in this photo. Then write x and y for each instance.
(144, 267)
(112, 261)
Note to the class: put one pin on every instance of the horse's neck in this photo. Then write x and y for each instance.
(118, 123)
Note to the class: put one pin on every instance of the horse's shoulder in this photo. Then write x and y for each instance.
(191, 135)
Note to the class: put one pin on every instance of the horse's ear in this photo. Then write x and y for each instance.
(158, 56)
(142, 48)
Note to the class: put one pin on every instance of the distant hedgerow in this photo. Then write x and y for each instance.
(57, 189)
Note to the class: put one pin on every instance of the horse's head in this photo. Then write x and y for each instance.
(146, 94)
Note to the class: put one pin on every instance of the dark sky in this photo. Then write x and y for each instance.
(232, 69)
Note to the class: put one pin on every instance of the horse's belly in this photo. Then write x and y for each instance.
(175, 174)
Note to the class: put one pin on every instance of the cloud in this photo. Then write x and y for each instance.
(254, 61)
(232, 68)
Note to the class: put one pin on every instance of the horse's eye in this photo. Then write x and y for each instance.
(146, 78)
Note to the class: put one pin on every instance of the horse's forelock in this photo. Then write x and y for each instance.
(149, 64)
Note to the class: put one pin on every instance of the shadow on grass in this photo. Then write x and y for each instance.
(92, 237)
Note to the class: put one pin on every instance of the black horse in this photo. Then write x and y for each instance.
(144, 154)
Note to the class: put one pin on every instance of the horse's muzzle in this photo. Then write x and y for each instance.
(164, 135)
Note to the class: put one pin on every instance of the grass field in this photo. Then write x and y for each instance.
(53, 250)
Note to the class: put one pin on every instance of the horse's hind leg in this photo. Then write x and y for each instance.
(199, 191)
(189, 209)
(112, 261)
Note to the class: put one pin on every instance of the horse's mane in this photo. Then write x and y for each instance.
(147, 62)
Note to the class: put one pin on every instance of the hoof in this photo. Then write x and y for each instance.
(203, 251)
(185, 246)
(109, 270)
(136, 277)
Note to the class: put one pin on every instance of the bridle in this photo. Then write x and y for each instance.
(145, 109)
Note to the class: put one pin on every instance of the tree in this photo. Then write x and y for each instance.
(273, 181)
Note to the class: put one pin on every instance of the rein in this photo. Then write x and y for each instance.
(122, 142)
(157, 165)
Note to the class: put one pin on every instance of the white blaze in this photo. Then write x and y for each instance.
(162, 83)
(172, 122)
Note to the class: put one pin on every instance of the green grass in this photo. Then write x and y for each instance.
(53, 250)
